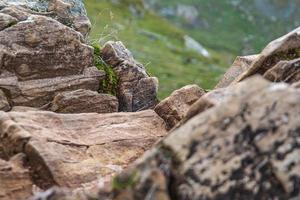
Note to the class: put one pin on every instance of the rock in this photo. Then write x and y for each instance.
(40, 57)
(240, 65)
(246, 151)
(84, 101)
(4, 105)
(69, 150)
(284, 71)
(15, 181)
(136, 90)
(175, 107)
(192, 44)
(23, 109)
(283, 49)
(6, 21)
(69, 12)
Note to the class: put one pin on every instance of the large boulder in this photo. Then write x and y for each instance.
(15, 180)
(40, 57)
(136, 89)
(175, 107)
(84, 101)
(244, 148)
(69, 12)
(70, 150)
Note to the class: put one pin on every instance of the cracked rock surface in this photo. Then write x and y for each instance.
(70, 150)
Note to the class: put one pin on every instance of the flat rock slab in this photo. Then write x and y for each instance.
(84, 101)
(71, 149)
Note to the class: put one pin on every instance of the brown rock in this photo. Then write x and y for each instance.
(40, 92)
(69, 150)
(84, 101)
(136, 90)
(40, 57)
(4, 105)
(240, 65)
(284, 71)
(175, 107)
(284, 48)
(15, 182)
(245, 149)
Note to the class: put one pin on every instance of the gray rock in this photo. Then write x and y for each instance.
(84, 101)
(69, 12)
(245, 148)
(136, 90)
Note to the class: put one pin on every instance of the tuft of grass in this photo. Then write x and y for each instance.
(110, 83)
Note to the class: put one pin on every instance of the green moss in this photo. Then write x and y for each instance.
(110, 83)
(125, 181)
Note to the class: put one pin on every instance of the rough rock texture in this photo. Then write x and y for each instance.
(4, 105)
(240, 65)
(136, 90)
(175, 107)
(6, 21)
(40, 57)
(69, 12)
(71, 149)
(15, 182)
(247, 151)
(209, 100)
(285, 48)
(84, 101)
(284, 71)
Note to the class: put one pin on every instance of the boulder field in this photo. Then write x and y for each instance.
(82, 122)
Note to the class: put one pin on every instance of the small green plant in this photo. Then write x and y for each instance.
(126, 181)
(110, 83)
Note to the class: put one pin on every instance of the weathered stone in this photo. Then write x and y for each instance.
(240, 65)
(40, 92)
(175, 107)
(285, 48)
(23, 109)
(69, 12)
(245, 149)
(84, 101)
(69, 150)
(136, 90)
(4, 105)
(284, 71)
(41, 47)
(15, 182)
(6, 21)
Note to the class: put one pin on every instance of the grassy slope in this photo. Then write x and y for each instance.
(228, 26)
(157, 44)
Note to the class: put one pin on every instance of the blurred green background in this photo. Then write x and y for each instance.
(191, 41)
